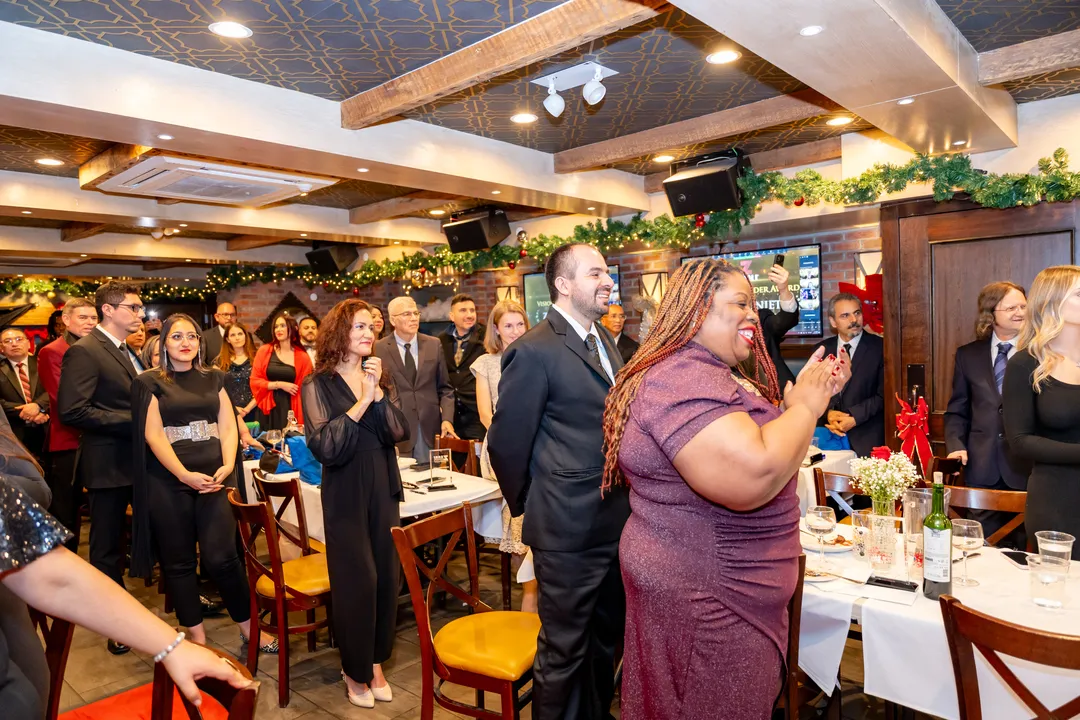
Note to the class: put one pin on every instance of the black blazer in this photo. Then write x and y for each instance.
(211, 344)
(428, 401)
(774, 326)
(462, 379)
(864, 396)
(95, 397)
(627, 347)
(546, 441)
(11, 396)
(974, 422)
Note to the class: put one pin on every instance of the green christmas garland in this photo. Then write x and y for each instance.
(948, 174)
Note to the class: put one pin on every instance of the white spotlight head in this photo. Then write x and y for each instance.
(554, 103)
(594, 90)
(157, 233)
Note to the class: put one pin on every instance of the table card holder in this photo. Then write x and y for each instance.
(440, 468)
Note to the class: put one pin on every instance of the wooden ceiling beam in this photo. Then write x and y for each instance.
(420, 201)
(250, 242)
(791, 156)
(1026, 59)
(72, 231)
(564, 27)
(114, 160)
(800, 105)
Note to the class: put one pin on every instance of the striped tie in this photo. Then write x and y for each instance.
(25, 380)
(999, 364)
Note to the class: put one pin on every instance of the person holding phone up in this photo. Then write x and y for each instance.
(775, 325)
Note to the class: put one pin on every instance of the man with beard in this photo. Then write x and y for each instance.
(309, 333)
(546, 445)
(462, 344)
(858, 411)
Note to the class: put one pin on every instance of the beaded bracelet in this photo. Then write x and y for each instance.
(164, 653)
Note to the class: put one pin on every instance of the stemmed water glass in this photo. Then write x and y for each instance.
(820, 521)
(967, 535)
(273, 437)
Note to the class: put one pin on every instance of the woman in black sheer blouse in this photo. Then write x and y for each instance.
(352, 424)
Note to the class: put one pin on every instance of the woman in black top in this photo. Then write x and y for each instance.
(237, 354)
(1041, 398)
(185, 417)
(352, 424)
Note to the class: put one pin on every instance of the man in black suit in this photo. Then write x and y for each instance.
(775, 324)
(95, 397)
(614, 321)
(546, 444)
(462, 344)
(858, 411)
(214, 336)
(25, 401)
(418, 368)
(974, 427)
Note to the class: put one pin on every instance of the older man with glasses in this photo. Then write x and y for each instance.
(25, 401)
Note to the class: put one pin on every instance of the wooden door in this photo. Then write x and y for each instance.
(937, 256)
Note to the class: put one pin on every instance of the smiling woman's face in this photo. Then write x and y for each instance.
(729, 328)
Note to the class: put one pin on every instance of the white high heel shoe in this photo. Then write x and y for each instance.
(382, 694)
(365, 699)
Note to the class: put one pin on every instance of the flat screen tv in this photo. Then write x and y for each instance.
(538, 301)
(803, 263)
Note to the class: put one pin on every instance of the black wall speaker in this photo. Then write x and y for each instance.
(706, 184)
(330, 258)
(477, 233)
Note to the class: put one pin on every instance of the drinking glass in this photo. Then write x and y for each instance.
(967, 535)
(820, 521)
(273, 437)
(860, 532)
(440, 466)
(1048, 580)
(1055, 544)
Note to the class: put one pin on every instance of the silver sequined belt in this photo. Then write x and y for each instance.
(196, 431)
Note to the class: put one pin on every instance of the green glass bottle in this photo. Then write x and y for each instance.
(937, 546)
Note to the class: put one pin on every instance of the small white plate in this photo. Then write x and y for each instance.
(810, 542)
(812, 576)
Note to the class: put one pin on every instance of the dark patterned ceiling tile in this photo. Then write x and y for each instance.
(352, 193)
(331, 48)
(21, 148)
(990, 24)
(663, 77)
(1046, 86)
(795, 133)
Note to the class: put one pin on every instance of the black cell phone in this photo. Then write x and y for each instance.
(1016, 557)
(892, 583)
(435, 488)
(778, 260)
(419, 467)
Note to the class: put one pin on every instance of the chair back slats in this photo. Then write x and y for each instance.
(288, 489)
(1010, 501)
(951, 468)
(253, 519)
(238, 702)
(470, 448)
(830, 481)
(968, 630)
(57, 634)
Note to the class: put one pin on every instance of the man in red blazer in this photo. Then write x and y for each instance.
(80, 317)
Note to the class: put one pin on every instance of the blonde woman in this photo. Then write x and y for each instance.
(506, 324)
(1042, 401)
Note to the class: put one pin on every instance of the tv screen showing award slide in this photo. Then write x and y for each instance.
(803, 264)
(538, 301)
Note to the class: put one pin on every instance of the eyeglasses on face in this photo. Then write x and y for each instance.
(135, 308)
(1011, 309)
(13, 340)
(407, 314)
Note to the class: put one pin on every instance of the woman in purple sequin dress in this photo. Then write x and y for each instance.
(709, 555)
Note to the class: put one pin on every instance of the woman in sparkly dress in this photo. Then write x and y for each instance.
(710, 553)
(237, 354)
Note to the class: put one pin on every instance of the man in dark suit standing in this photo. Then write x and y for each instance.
(418, 368)
(775, 324)
(214, 336)
(79, 318)
(462, 344)
(974, 427)
(26, 404)
(858, 411)
(95, 397)
(546, 444)
(614, 321)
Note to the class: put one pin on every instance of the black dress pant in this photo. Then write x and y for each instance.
(66, 492)
(108, 530)
(180, 518)
(582, 615)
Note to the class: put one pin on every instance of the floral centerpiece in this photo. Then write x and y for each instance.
(884, 476)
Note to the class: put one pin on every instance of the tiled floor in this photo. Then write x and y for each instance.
(317, 690)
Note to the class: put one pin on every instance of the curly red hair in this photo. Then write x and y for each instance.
(332, 344)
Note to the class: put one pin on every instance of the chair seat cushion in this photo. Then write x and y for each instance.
(317, 546)
(499, 644)
(306, 574)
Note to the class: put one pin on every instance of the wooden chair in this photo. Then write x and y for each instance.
(951, 468)
(969, 498)
(490, 650)
(239, 702)
(283, 587)
(968, 630)
(288, 489)
(57, 635)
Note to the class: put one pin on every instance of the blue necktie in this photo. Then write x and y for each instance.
(1000, 362)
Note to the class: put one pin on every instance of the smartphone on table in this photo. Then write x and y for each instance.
(1016, 557)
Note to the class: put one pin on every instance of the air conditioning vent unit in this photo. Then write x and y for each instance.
(194, 180)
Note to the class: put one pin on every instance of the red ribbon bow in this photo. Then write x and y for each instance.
(913, 428)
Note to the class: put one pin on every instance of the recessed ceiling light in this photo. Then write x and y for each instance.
(496, 192)
(591, 207)
(811, 30)
(361, 169)
(27, 212)
(303, 234)
(164, 137)
(397, 242)
(836, 121)
(303, 194)
(436, 212)
(82, 254)
(523, 118)
(183, 224)
(905, 101)
(722, 57)
(51, 162)
(187, 259)
(230, 29)
(958, 143)
(663, 158)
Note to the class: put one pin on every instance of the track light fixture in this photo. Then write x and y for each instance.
(554, 102)
(594, 90)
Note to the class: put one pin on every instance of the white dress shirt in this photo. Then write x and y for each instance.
(853, 342)
(994, 342)
(413, 350)
(791, 305)
(582, 333)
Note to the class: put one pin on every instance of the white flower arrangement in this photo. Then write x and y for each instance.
(884, 479)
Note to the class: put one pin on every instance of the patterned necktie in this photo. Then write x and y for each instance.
(999, 364)
(459, 351)
(594, 353)
(410, 365)
(25, 380)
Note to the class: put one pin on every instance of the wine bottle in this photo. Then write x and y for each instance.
(937, 546)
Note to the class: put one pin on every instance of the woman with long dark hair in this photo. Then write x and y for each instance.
(377, 321)
(353, 423)
(279, 369)
(184, 416)
(235, 360)
(710, 553)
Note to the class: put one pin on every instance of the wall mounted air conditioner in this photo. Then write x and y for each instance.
(194, 180)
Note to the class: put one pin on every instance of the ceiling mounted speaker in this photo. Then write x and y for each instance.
(331, 258)
(708, 183)
(477, 233)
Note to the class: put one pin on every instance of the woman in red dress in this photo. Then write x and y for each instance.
(279, 369)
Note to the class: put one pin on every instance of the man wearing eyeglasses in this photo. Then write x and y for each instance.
(213, 336)
(25, 401)
(95, 397)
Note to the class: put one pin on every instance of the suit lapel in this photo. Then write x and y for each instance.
(577, 345)
(985, 367)
(9, 375)
(107, 344)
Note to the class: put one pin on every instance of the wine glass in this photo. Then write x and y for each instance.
(273, 437)
(820, 521)
(967, 535)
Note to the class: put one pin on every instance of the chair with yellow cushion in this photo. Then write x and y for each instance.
(288, 489)
(280, 587)
(489, 650)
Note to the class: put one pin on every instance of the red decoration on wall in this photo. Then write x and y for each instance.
(523, 253)
(511, 264)
(423, 270)
(871, 297)
(356, 292)
(913, 429)
(799, 202)
(699, 220)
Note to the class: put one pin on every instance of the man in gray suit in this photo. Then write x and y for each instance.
(418, 369)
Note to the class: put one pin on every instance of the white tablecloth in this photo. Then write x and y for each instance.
(836, 461)
(483, 494)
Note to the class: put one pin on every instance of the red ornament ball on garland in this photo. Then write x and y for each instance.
(522, 253)
(511, 264)
(326, 286)
(699, 220)
(423, 270)
(356, 292)
(799, 202)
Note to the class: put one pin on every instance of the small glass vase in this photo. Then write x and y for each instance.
(882, 546)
